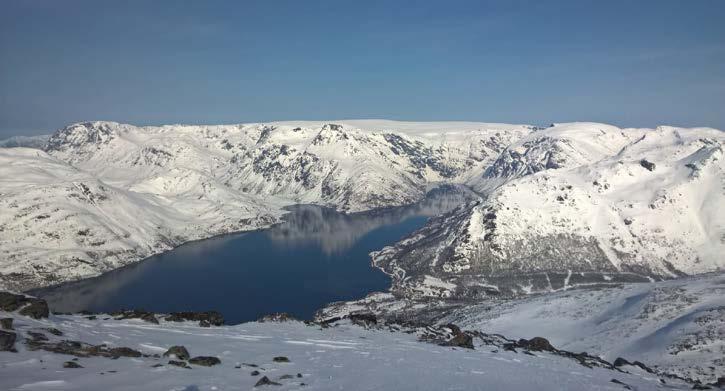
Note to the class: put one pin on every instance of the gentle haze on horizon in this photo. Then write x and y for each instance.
(642, 63)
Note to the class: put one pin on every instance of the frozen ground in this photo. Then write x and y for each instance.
(335, 358)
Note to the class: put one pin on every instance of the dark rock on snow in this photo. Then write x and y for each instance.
(124, 352)
(54, 331)
(179, 364)
(71, 364)
(179, 352)
(647, 165)
(255, 373)
(206, 361)
(29, 306)
(276, 317)
(6, 323)
(214, 318)
(280, 359)
(264, 381)
(364, 319)
(536, 344)
(7, 341)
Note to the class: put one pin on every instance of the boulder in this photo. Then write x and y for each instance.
(264, 381)
(206, 361)
(280, 359)
(179, 352)
(536, 344)
(462, 340)
(71, 364)
(181, 364)
(6, 323)
(7, 341)
(37, 309)
(649, 166)
(124, 352)
(255, 373)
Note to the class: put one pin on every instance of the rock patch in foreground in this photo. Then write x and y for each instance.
(179, 352)
(206, 361)
(7, 341)
(264, 381)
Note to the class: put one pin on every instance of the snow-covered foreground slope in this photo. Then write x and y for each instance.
(339, 357)
(105, 194)
(576, 204)
(677, 326)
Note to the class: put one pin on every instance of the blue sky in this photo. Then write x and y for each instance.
(630, 63)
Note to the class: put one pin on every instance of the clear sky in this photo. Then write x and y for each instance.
(629, 63)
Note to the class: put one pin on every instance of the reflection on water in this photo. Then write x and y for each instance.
(315, 257)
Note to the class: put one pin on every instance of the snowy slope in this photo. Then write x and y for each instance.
(596, 205)
(152, 188)
(339, 357)
(59, 223)
(676, 326)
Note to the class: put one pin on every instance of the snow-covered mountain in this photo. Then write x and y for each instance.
(575, 204)
(25, 141)
(104, 194)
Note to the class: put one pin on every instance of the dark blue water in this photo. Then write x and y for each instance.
(315, 257)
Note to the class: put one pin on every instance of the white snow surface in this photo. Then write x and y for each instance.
(675, 326)
(104, 194)
(343, 357)
(578, 198)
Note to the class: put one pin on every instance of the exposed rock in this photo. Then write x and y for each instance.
(6, 323)
(71, 364)
(124, 352)
(621, 362)
(54, 331)
(37, 337)
(277, 317)
(7, 341)
(255, 373)
(461, 340)
(11, 302)
(181, 364)
(280, 359)
(136, 314)
(206, 361)
(204, 323)
(264, 381)
(364, 319)
(179, 352)
(37, 309)
(157, 365)
(213, 317)
(536, 344)
(29, 306)
(647, 165)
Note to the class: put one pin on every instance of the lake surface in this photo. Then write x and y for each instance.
(315, 257)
